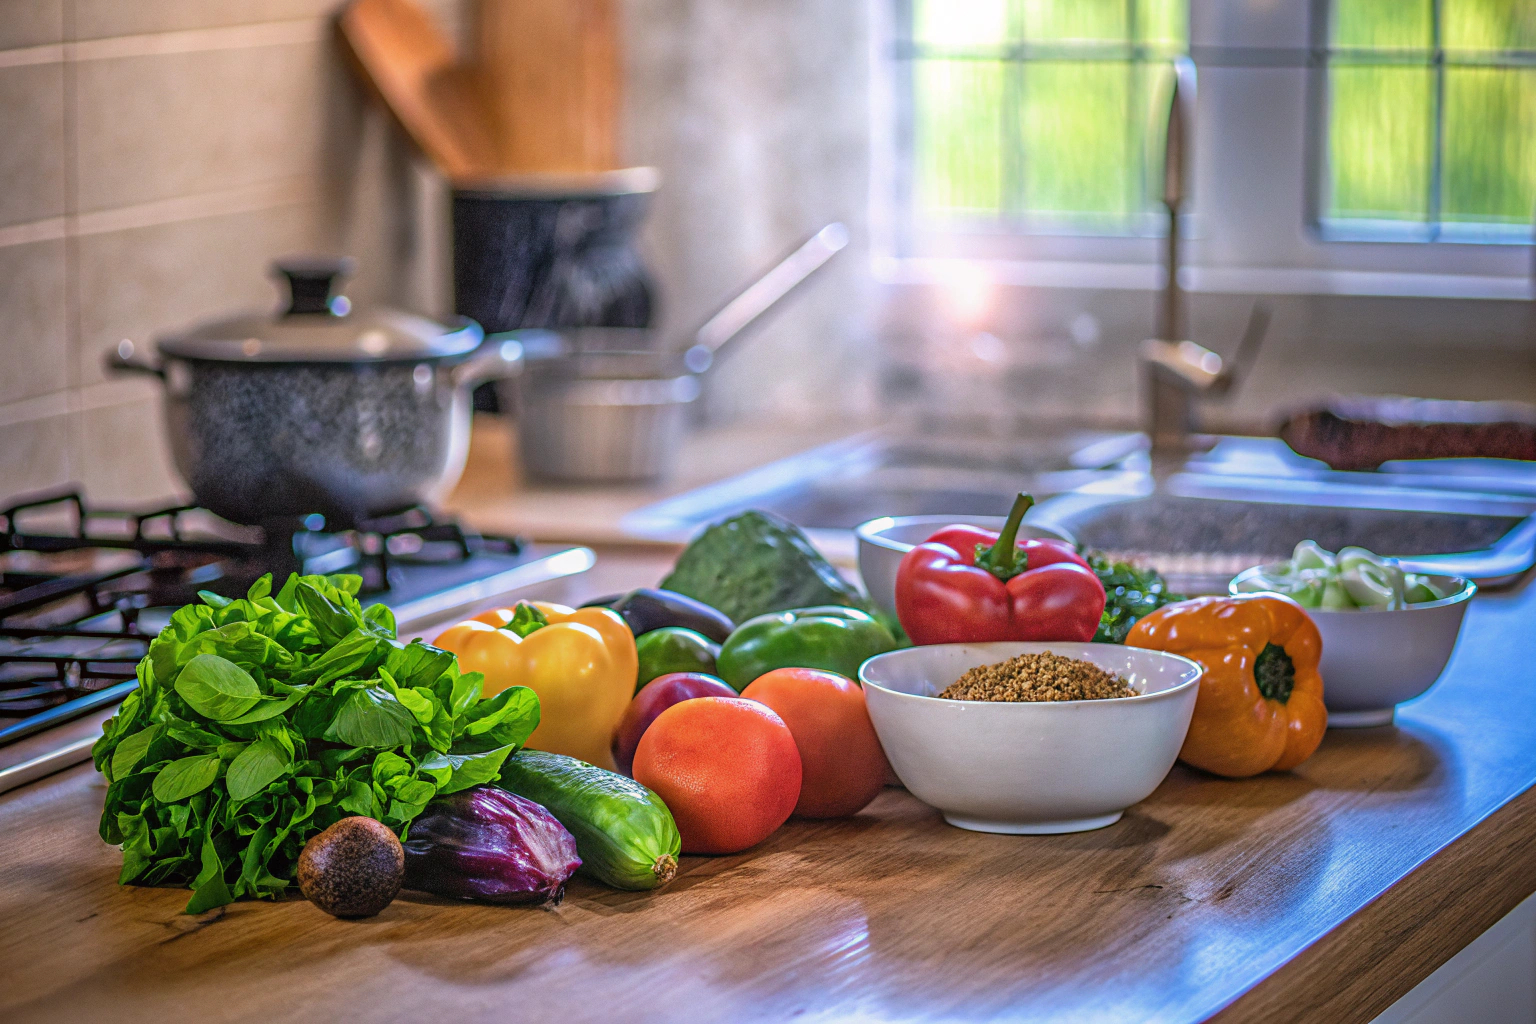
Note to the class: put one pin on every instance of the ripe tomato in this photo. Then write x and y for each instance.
(843, 764)
(727, 769)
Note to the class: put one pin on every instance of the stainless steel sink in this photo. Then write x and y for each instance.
(1201, 542)
(887, 473)
(1247, 500)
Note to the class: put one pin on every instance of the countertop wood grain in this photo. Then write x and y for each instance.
(1320, 895)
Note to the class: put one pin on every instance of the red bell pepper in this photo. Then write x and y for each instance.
(969, 585)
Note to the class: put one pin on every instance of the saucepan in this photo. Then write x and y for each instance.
(321, 408)
(610, 404)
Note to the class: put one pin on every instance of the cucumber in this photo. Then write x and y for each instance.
(624, 833)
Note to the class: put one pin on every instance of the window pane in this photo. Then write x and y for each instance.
(1380, 142)
(973, 23)
(1490, 24)
(1061, 20)
(1163, 22)
(1075, 127)
(1490, 144)
(1383, 24)
(1151, 123)
(956, 134)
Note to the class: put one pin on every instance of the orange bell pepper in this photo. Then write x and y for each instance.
(1260, 706)
(582, 665)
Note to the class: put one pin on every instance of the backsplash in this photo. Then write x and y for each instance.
(158, 155)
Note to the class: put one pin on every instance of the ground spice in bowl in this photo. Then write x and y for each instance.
(1036, 677)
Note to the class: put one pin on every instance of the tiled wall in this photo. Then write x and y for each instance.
(155, 155)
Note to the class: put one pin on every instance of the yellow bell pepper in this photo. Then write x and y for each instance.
(582, 665)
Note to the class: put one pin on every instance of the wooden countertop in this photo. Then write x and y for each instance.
(1321, 895)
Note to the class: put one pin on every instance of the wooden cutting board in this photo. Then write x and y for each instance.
(539, 94)
(548, 71)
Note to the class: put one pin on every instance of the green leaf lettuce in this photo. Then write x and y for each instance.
(261, 721)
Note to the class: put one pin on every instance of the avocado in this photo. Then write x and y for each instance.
(352, 869)
(755, 563)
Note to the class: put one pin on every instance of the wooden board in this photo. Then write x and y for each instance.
(548, 73)
(406, 60)
(1321, 895)
(540, 95)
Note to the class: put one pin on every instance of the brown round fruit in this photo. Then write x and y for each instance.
(352, 869)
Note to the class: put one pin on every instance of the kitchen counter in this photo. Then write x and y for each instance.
(1324, 894)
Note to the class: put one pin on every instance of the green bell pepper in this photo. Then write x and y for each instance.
(829, 637)
(674, 649)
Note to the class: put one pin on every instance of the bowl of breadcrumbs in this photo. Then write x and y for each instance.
(1031, 738)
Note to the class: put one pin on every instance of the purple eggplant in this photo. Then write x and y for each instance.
(488, 844)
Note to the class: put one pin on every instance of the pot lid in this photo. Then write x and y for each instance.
(320, 325)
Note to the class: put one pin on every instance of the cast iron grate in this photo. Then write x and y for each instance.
(83, 590)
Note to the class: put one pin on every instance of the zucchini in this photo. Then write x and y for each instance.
(624, 833)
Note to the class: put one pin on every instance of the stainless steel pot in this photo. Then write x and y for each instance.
(608, 404)
(320, 408)
(603, 414)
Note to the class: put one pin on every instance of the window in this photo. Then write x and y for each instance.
(1040, 115)
(1028, 134)
(1431, 126)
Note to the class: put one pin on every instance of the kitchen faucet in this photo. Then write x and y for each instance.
(1176, 371)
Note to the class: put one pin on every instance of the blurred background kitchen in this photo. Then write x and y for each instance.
(1365, 168)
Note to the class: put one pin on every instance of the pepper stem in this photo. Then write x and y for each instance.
(525, 619)
(1274, 673)
(1003, 559)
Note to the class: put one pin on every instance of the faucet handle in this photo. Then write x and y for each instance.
(1199, 370)
(1237, 368)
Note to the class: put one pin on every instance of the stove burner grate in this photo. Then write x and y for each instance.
(83, 591)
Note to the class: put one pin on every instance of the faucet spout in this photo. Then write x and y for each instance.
(1177, 373)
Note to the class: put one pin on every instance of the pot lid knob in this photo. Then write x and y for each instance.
(312, 279)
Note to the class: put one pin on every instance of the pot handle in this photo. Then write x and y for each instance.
(122, 360)
(500, 357)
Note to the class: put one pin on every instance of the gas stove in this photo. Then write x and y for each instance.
(83, 590)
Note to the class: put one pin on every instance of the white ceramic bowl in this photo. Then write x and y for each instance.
(884, 542)
(1029, 767)
(1374, 659)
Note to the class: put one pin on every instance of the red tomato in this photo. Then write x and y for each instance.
(843, 765)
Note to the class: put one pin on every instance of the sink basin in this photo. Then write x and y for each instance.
(1248, 500)
(1201, 542)
(886, 473)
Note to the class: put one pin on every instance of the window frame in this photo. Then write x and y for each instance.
(1323, 56)
(903, 53)
(1252, 227)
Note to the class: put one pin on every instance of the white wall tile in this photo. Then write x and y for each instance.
(121, 457)
(34, 455)
(159, 126)
(145, 282)
(96, 19)
(31, 142)
(34, 346)
(30, 23)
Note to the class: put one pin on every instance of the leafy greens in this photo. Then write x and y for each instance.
(260, 722)
(1129, 593)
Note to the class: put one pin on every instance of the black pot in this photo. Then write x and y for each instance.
(552, 251)
(320, 409)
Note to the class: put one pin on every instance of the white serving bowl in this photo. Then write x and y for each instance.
(1029, 767)
(884, 542)
(1375, 659)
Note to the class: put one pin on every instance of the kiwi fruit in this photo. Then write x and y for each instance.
(352, 869)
